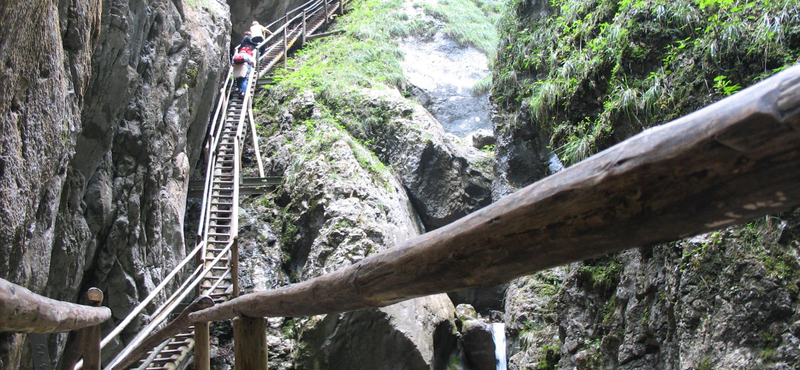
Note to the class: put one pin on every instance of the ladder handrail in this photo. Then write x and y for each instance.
(144, 333)
(218, 120)
(139, 308)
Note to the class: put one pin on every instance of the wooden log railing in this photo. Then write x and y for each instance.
(22, 311)
(726, 164)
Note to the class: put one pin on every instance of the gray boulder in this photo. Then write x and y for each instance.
(478, 345)
(482, 138)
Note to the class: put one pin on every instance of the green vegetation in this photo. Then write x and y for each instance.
(603, 276)
(705, 364)
(191, 75)
(483, 86)
(550, 355)
(597, 71)
(779, 262)
(469, 22)
(364, 57)
(195, 3)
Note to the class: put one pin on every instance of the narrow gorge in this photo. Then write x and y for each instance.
(408, 116)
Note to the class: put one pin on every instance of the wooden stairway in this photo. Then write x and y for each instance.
(216, 255)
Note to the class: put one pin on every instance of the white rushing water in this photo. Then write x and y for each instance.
(499, 336)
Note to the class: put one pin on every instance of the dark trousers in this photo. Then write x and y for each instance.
(258, 40)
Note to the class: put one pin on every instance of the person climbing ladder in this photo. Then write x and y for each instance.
(258, 32)
(241, 69)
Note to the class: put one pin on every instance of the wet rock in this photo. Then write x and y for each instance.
(478, 344)
(442, 73)
(465, 312)
(712, 301)
(400, 336)
(445, 179)
(482, 138)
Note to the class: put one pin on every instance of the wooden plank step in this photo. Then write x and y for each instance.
(168, 351)
(162, 359)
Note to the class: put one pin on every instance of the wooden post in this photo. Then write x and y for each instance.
(255, 140)
(250, 343)
(235, 266)
(341, 7)
(91, 335)
(202, 357)
(285, 47)
(304, 29)
(326, 11)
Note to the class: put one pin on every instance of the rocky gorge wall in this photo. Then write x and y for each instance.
(98, 140)
(579, 76)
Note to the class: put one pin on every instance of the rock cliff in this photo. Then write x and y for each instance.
(339, 203)
(580, 76)
(104, 126)
(244, 12)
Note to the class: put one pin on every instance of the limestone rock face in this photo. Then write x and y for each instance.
(337, 205)
(445, 179)
(135, 151)
(244, 12)
(724, 300)
(41, 95)
(100, 128)
(407, 335)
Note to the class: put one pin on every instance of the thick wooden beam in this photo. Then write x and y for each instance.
(133, 354)
(726, 164)
(91, 335)
(23, 311)
(250, 343)
(202, 343)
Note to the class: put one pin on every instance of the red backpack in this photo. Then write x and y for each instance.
(238, 58)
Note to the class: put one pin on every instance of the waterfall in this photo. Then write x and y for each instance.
(553, 163)
(499, 336)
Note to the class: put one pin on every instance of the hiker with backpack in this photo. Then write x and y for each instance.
(247, 44)
(257, 34)
(241, 69)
